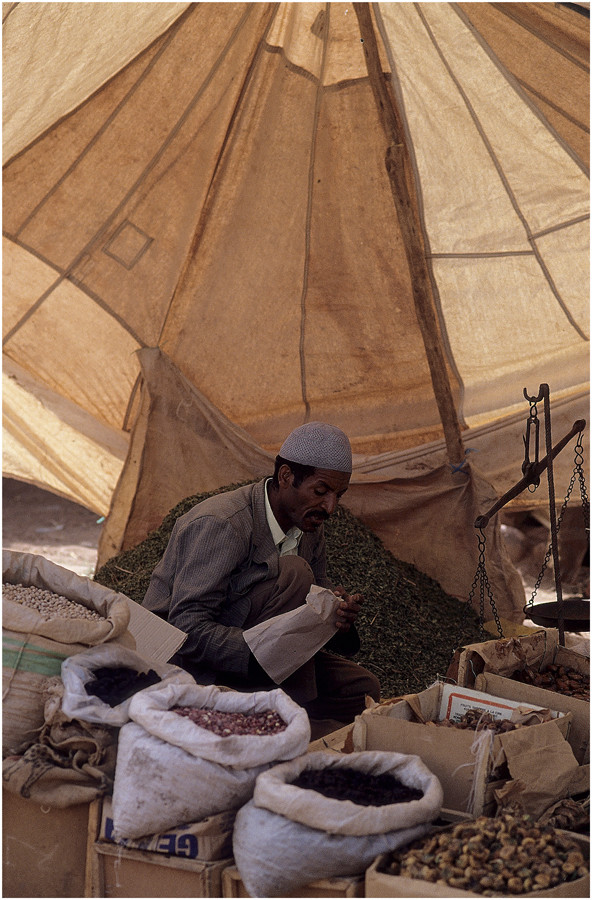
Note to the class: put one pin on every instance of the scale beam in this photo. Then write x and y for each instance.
(532, 476)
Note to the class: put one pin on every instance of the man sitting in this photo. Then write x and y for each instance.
(241, 557)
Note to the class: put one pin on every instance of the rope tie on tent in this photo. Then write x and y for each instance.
(459, 467)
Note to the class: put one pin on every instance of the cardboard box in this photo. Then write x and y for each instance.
(210, 839)
(457, 757)
(579, 733)
(156, 640)
(119, 872)
(336, 740)
(233, 886)
(506, 654)
(43, 849)
(380, 884)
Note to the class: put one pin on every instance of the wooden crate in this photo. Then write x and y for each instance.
(114, 871)
(233, 886)
(120, 872)
(43, 848)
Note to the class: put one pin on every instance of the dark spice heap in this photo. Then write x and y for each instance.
(492, 857)
(561, 679)
(114, 684)
(409, 627)
(225, 723)
(347, 783)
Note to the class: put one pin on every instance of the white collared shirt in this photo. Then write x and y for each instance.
(287, 543)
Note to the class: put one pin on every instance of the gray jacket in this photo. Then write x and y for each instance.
(216, 553)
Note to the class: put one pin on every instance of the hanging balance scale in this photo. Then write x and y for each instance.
(572, 614)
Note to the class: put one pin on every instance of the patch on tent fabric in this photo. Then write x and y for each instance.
(318, 26)
(128, 244)
(27, 657)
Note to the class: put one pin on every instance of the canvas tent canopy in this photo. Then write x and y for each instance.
(224, 219)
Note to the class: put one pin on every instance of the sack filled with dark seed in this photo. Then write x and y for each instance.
(227, 723)
(286, 837)
(359, 787)
(101, 682)
(115, 684)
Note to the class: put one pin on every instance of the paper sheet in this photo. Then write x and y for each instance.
(284, 643)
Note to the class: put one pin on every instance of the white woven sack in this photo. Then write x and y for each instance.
(276, 856)
(274, 792)
(159, 786)
(151, 710)
(79, 669)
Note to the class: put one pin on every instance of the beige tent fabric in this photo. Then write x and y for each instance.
(65, 450)
(548, 52)
(73, 48)
(219, 211)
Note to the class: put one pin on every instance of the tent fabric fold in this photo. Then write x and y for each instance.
(202, 250)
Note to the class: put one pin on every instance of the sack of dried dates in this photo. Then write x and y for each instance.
(99, 683)
(191, 751)
(325, 815)
(48, 613)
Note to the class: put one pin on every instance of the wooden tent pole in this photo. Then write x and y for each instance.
(402, 182)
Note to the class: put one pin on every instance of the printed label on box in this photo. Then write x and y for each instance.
(456, 701)
(208, 839)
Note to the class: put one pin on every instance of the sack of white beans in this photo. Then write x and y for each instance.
(48, 614)
(301, 825)
(178, 767)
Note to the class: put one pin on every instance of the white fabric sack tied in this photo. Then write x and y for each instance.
(282, 841)
(274, 792)
(158, 786)
(284, 643)
(79, 670)
(151, 710)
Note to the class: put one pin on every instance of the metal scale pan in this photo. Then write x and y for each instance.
(576, 614)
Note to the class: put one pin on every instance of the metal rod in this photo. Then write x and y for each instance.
(530, 478)
(552, 515)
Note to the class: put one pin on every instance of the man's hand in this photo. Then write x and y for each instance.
(348, 609)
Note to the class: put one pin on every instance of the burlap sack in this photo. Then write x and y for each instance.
(70, 762)
(33, 648)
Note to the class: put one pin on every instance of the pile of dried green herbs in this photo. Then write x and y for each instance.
(409, 627)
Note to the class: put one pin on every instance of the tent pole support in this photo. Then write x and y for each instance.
(402, 182)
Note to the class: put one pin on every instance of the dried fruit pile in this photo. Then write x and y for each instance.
(226, 723)
(561, 679)
(48, 604)
(347, 783)
(479, 720)
(115, 684)
(409, 627)
(504, 855)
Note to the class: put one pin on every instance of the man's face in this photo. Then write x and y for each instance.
(310, 504)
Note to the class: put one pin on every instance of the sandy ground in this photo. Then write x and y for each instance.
(37, 521)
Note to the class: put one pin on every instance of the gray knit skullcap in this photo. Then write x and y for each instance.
(319, 445)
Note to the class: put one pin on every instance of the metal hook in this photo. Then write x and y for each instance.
(540, 396)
